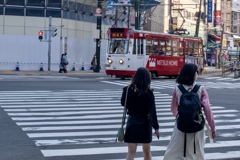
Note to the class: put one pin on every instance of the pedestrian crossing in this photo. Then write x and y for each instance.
(170, 84)
(231, 79)
(84, 123)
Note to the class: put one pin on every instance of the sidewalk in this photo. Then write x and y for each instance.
(209, 72)
(54, 73)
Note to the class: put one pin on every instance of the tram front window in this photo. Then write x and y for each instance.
(118, 46)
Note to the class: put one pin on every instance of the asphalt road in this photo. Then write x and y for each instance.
(24, 100)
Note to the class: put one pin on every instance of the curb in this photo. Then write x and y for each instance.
(52, 73)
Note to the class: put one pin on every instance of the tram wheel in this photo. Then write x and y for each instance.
(154, 74)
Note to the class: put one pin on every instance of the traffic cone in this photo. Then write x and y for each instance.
(17, 67)
(82, 67)
(41, 67)
(73, 69)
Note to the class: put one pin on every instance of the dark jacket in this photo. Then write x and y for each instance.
(141, 105)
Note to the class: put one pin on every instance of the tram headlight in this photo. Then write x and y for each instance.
(121, 61)
(110, 61)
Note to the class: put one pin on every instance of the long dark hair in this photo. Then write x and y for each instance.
(187, 74)
(141, 80)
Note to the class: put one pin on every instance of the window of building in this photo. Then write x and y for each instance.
(228, 29)
(53, 13)
(228, 16)
(72, 15)
(234, 16)
(54, 3)
(228, 3)
(15, 2)
(14, 11)
(235, 29)
(1, 2)
(65, 14)
(39, 3)
(35, 12)
(1, 10)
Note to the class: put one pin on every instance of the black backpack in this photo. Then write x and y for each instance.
(190, 118)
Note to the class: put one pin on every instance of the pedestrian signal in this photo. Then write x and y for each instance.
(40, 35)
(54, 31)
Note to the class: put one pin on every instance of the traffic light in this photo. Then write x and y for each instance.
(125, 10)
(54, 31)
(40, 35)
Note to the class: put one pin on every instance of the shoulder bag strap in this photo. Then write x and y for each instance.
(125, 108)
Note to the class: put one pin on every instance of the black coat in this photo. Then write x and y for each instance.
(142, 116)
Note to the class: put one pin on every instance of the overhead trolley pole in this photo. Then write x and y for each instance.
(198, 19)
(136, 7)
(98, 40)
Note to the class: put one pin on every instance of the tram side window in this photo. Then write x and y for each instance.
(140, 46)
(134, 46)
(168, 48)
(162, 48)
(180, 49)
(189, 48)
(200, 49)
(155, 47)
(148, 46)
(196, 49)
(175, 47)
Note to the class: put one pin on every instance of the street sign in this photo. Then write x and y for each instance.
(114, 26)
(109, 5)
(209, 17)
(98, 12)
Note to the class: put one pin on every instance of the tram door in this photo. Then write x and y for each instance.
(138, 53)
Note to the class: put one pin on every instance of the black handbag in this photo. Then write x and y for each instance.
(121, 132)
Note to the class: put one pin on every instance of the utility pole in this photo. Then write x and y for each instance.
(136, 6)
(170, 27)
(198, 19)
(98, 40)
(49, 43)
(116, 16)
(219, 55)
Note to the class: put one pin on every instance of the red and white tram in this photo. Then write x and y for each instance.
(162, 54)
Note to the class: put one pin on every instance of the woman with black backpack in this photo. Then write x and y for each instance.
(188, 139)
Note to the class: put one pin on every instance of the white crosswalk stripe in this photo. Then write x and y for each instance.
(84, 123)
(166, 84)
(232, 79)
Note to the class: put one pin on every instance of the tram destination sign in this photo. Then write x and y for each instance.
(117, 35)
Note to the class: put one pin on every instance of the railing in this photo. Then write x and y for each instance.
(227, 69)
(237, 73)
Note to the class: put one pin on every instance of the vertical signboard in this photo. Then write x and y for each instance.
(110, 10)
(210, 11)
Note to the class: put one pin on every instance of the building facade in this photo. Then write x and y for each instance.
(75, 21)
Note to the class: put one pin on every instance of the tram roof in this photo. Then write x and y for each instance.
(164, 34)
